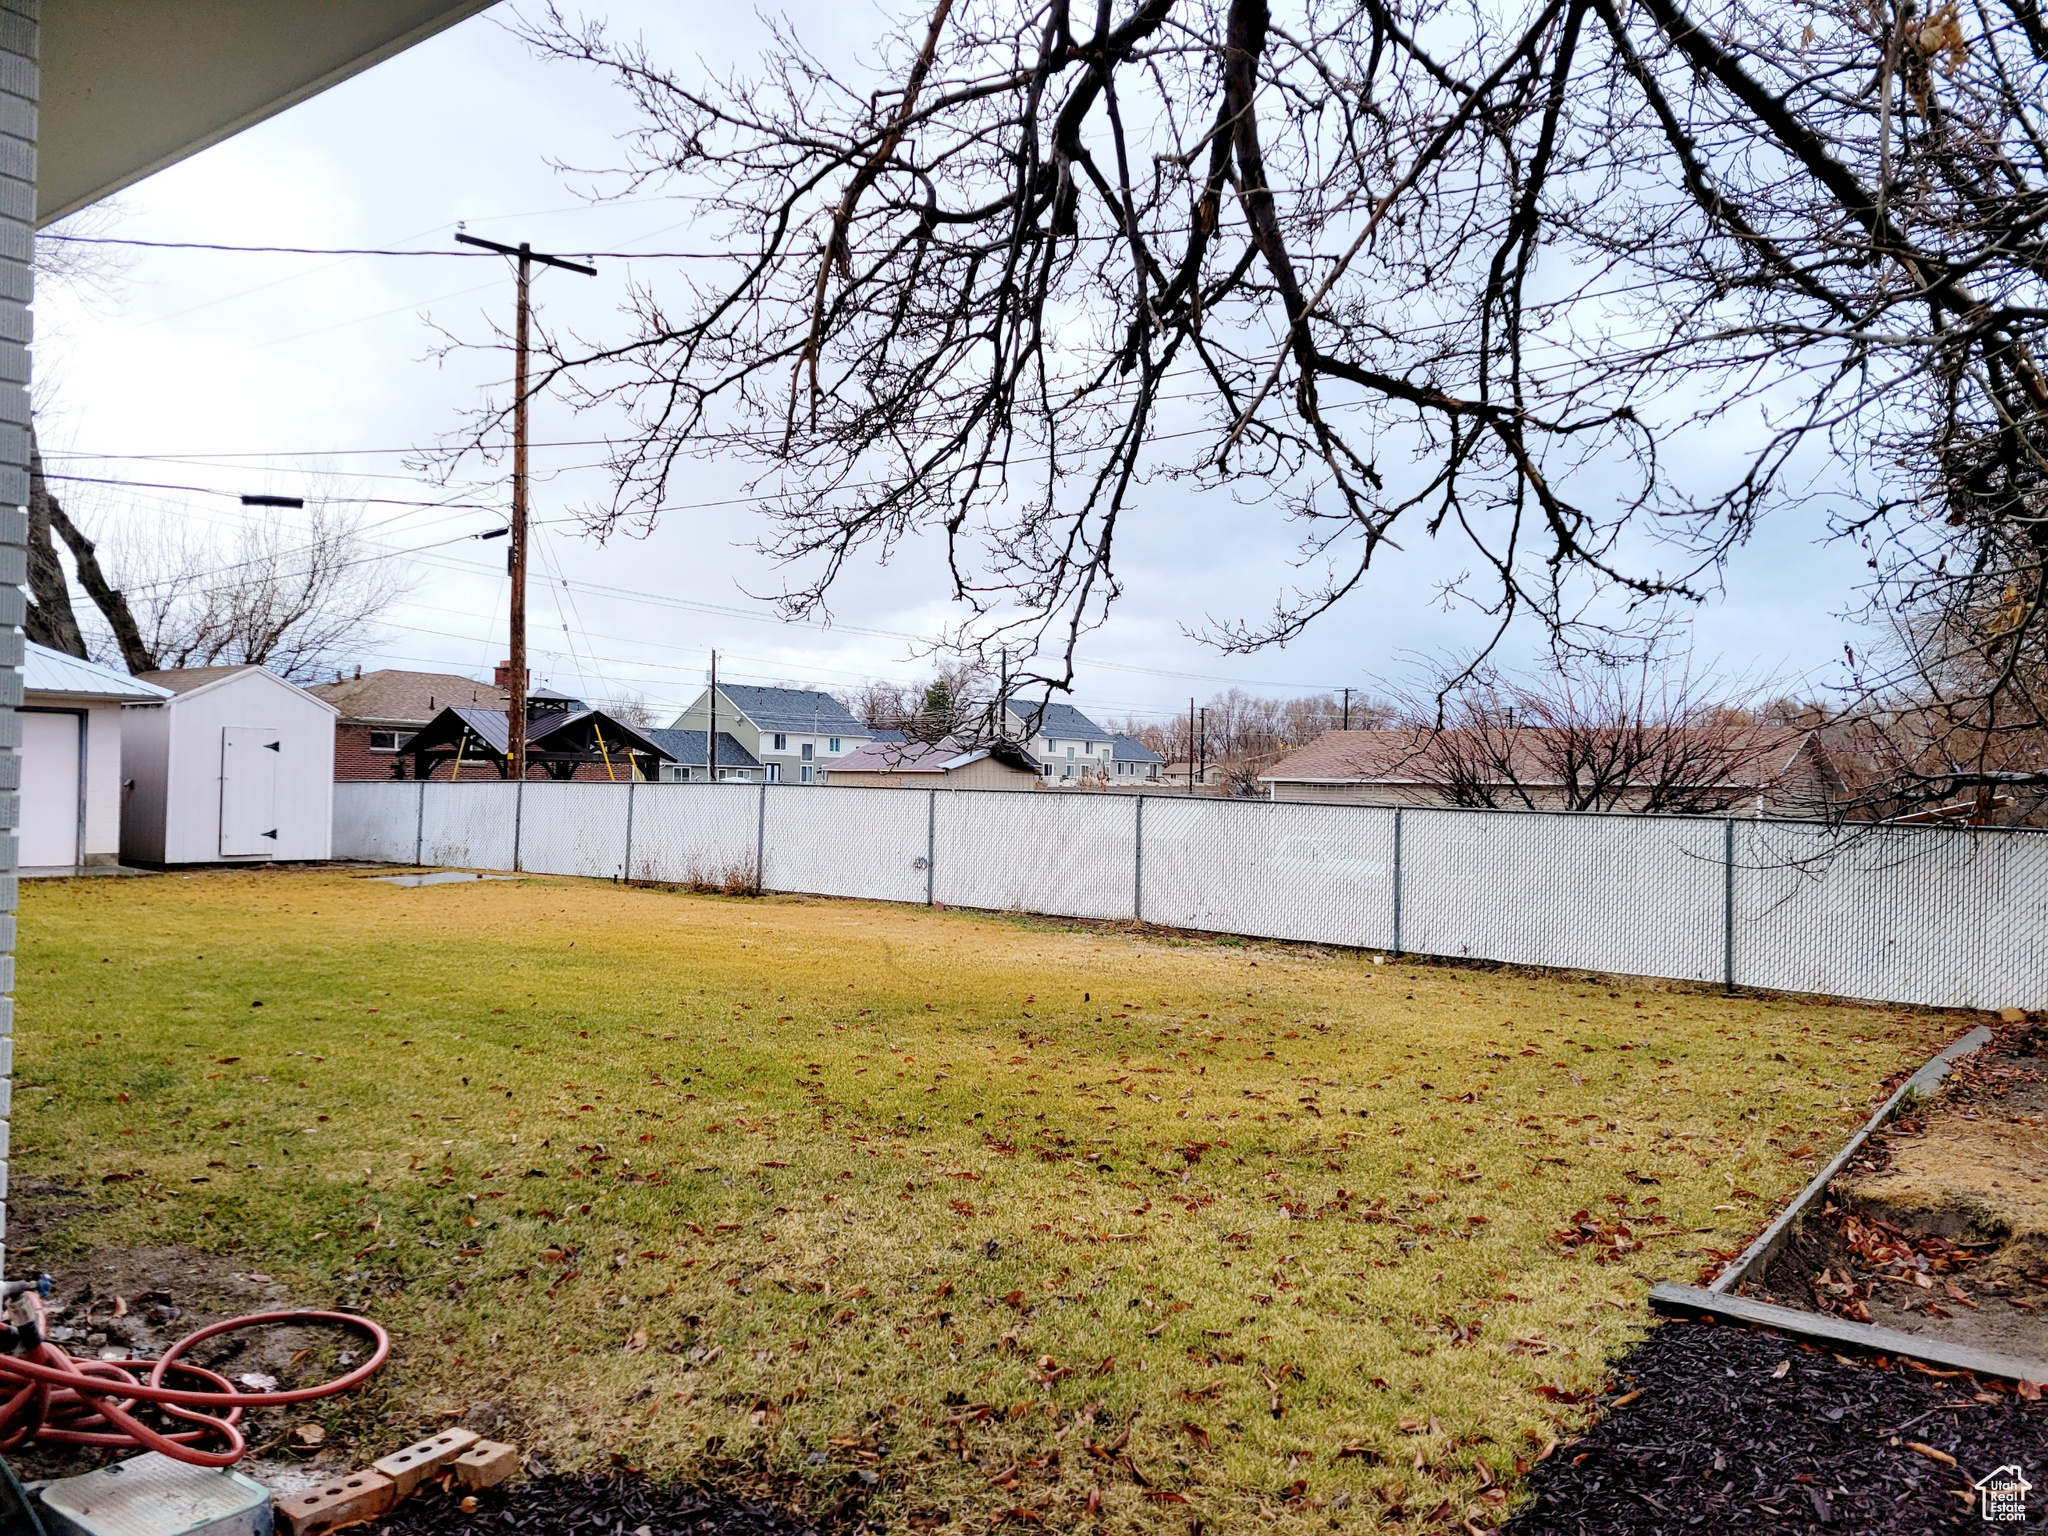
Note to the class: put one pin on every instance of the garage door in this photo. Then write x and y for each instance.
(49, 789)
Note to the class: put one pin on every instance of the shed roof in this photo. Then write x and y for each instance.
(191, 679)
(186, 680)
(946, 755)
(54, 672)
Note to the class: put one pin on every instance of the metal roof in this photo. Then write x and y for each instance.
(1128, 749)
(48, 671)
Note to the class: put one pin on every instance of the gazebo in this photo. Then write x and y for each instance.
(558, 740)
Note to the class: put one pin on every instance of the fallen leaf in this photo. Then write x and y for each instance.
(636, 1341)
(1778, 1373)
(309, 1435)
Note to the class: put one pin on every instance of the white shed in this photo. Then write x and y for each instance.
(71, 759)
(237, 765)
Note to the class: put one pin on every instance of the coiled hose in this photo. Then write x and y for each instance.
(53, 1396)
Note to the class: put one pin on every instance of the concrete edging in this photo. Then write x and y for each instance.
(1838, 1333)
(1772, 1238)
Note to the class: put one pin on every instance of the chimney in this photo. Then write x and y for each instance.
(503, 675)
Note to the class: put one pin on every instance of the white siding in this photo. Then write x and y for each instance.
(179, 759)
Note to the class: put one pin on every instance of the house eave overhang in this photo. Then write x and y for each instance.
(132, 86)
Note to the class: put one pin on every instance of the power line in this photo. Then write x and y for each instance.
(209, 490)
(348, 250)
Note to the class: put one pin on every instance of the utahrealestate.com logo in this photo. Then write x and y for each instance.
(2002, 1495)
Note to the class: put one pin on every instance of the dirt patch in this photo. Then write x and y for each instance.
(1725, 1429)
(135, 1303)
(546, 1505)
(1940, 1226)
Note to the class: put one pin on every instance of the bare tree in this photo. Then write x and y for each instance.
(1654, 736)
(954, 701)
(293, 595)
(1539, 279)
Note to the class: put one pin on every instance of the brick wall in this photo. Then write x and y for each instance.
(354, 761)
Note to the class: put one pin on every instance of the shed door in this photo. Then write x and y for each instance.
(49, 788)
(248, 789)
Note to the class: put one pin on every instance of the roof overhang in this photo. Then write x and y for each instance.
(132, 86)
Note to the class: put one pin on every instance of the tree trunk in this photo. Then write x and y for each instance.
(106, 597)
(49, 620)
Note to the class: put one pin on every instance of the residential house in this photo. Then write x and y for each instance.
(794, 734)
(381, 710)
(736, 765)
(1763, 770)
(1075, 751)
(952, 762)
(1180, 773)
(1133, 764)
(71, 759)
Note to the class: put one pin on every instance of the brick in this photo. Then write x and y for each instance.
(347, 1500)
(416, 1463)
(486, 1464)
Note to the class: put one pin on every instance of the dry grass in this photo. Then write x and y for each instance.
(1001, 1211)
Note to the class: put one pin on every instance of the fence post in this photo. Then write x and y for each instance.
(1397, 881)
(1138, 865)
(518, 821)
(1728, 906)
(931, 842)
(419, 825)
(761, 841)
(627, 872)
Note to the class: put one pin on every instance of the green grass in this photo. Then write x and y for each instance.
(1002, 1211)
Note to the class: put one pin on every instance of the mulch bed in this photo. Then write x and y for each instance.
(617, 1506)
(1718, 1440)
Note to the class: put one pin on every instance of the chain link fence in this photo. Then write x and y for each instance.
(1933, 916)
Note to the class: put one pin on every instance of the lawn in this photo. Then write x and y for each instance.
(977, 1217)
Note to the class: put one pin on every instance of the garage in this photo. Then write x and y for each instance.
(71, 760)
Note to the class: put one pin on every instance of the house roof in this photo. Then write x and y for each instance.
(47, 671)
(687, 748)
(1054, 719)
(791, 709)
(1128, 749)
(405, 698)
(886, 735)
(1400, 755)
(946, 755)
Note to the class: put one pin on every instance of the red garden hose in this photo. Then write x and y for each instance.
(55, 1397)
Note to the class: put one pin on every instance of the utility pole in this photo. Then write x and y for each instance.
(711, 736)
(1347, 709)
(1191, 746)
(515, 556)
(1204, 775)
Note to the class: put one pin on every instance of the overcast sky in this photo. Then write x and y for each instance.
(315, 375)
